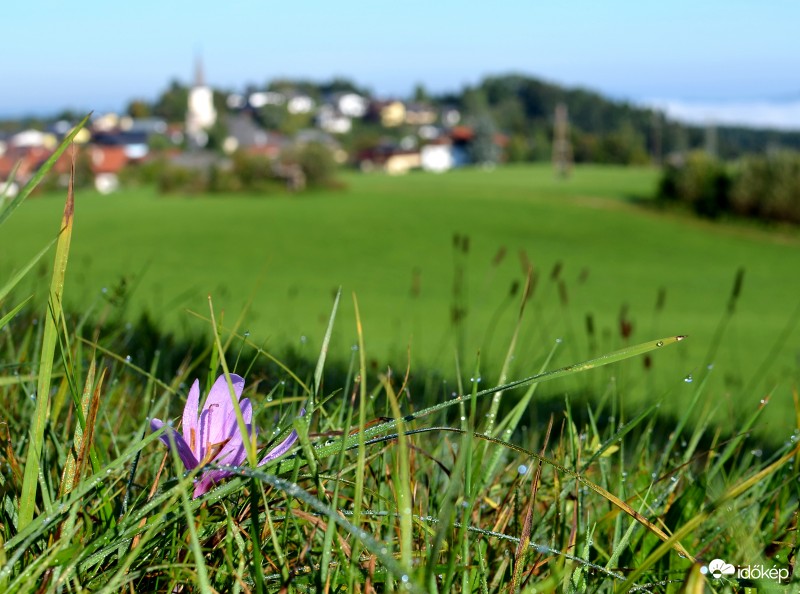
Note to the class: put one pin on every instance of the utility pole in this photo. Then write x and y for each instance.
(711, 139)
(562, 149)
(657, 149)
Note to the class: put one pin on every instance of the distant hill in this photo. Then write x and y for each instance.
(603, 129)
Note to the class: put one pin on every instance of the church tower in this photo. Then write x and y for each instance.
(201, 114)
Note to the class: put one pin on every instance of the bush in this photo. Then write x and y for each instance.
(176, 179)
(761, 187)
(317, 166)
(701, 182)
(768, 187)
(250, 173)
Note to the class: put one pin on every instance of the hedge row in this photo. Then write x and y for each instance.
(763, 187)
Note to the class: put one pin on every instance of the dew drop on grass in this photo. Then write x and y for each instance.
(522, 469)
(660, 343)
(128, 358)
(688, 379)
(246, 333)
(757, 453)
(559, 340)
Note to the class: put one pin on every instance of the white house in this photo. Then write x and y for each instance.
(332, 120)
(300, 103)
(437, 158)
(352, 105)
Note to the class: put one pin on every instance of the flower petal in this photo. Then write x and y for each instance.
(231, 425)
(216, 422)
(191, 433)
(184, 451)
(208, 480)
(234, 452)
(282, 447)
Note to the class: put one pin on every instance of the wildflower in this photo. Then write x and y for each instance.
(214, 437)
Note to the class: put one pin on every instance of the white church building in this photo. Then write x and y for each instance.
(201, 114)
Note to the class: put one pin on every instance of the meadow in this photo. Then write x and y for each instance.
(423, 251)
(660, 464)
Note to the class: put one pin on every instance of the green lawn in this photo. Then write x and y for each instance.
(384, 236)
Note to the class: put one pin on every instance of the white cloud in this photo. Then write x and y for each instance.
(784, 115)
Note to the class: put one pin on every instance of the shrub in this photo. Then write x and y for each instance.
(768, 187)
(701, 182)
(316, 164)
(253, 173)
(176, 179)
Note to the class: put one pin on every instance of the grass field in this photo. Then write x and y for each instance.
(390, 241)
(359, 480)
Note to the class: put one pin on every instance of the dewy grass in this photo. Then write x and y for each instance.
(393, 485)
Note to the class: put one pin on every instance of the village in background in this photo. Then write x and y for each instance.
(290, 135)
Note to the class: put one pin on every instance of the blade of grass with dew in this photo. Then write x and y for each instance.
(42, 171)
(701, 517)
(194, 541)
(525, 538)
(360, 437)
(372, 545)
(331, 526)
(33, 530)
(610, 497)
(403, 489)
(614, 357)
(36, 436)
(498, 396)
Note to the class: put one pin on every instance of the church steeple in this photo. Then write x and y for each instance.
(201, 114)
(199, 75)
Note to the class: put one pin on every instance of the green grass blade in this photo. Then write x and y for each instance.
(403, 485)
(607, 359)
(325, 343)
(10, 315)
(194, 541)
(372, 545)
(20, 274)
(52, 322)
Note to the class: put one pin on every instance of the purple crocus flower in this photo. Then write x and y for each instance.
(214, 436)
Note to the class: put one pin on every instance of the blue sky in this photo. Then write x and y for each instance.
(98, 55)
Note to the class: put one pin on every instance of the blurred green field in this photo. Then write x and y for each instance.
(389, 240)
